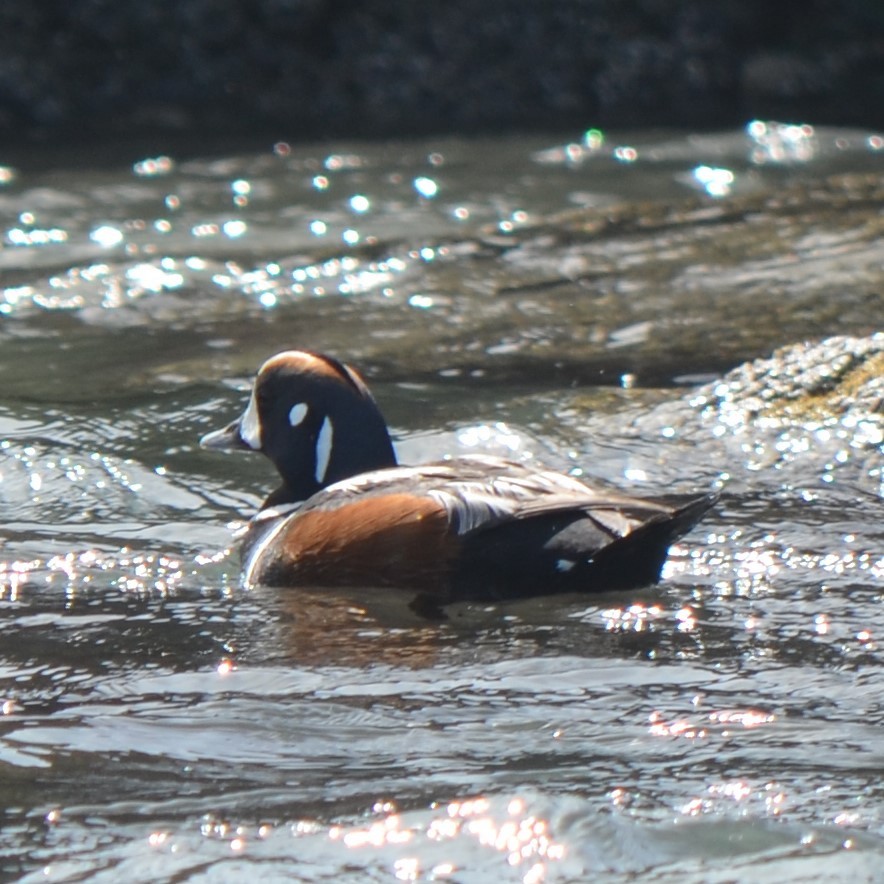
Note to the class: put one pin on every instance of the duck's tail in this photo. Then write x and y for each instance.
(638, 558)
(686, 516)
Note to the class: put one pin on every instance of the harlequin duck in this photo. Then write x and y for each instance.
(470, 528)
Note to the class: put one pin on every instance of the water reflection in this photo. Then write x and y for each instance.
(318, 627)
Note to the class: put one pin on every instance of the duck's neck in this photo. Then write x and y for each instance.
(356, 447)
(280, 497)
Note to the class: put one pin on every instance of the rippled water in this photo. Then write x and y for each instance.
(548, 302)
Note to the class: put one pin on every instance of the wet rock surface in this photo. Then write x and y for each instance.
(807, 418)
(835, 378)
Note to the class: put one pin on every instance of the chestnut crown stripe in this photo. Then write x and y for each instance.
(319, 364)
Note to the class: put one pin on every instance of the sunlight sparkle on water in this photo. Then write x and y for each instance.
(715, 181)
(722, 722)
(366, 281)
(635, 618)
(635, 474)
(107, 236)
(36, 237)
(360, 203)
(686, 619)
(522, 839)
(593, 138)
(422, 302)
(153, 166)
(14, 576)
(774, 142)
(426, 187)
(768, 799)
(150, 278)
(659, 726)
(517, 217)
(337, 162)
(490, 435)
(745, 718)
(234, 229)
(141, 573)
(757, 566)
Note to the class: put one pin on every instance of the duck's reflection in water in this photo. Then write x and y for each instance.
(358, 628)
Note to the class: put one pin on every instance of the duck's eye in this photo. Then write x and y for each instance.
(298, 413)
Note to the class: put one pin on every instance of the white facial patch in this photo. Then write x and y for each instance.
(298, 413)
(250, 425)
(323, 449)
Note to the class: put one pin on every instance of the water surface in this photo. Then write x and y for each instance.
(545, 300)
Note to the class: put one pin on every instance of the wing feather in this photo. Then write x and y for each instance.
(479, 492)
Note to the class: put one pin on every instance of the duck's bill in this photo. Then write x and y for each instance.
(228, 438)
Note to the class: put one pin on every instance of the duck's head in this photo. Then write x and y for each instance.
(315, 418)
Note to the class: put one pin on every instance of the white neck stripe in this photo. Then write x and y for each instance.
(324, 449)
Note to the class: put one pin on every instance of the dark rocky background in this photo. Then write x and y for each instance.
(330, 68)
